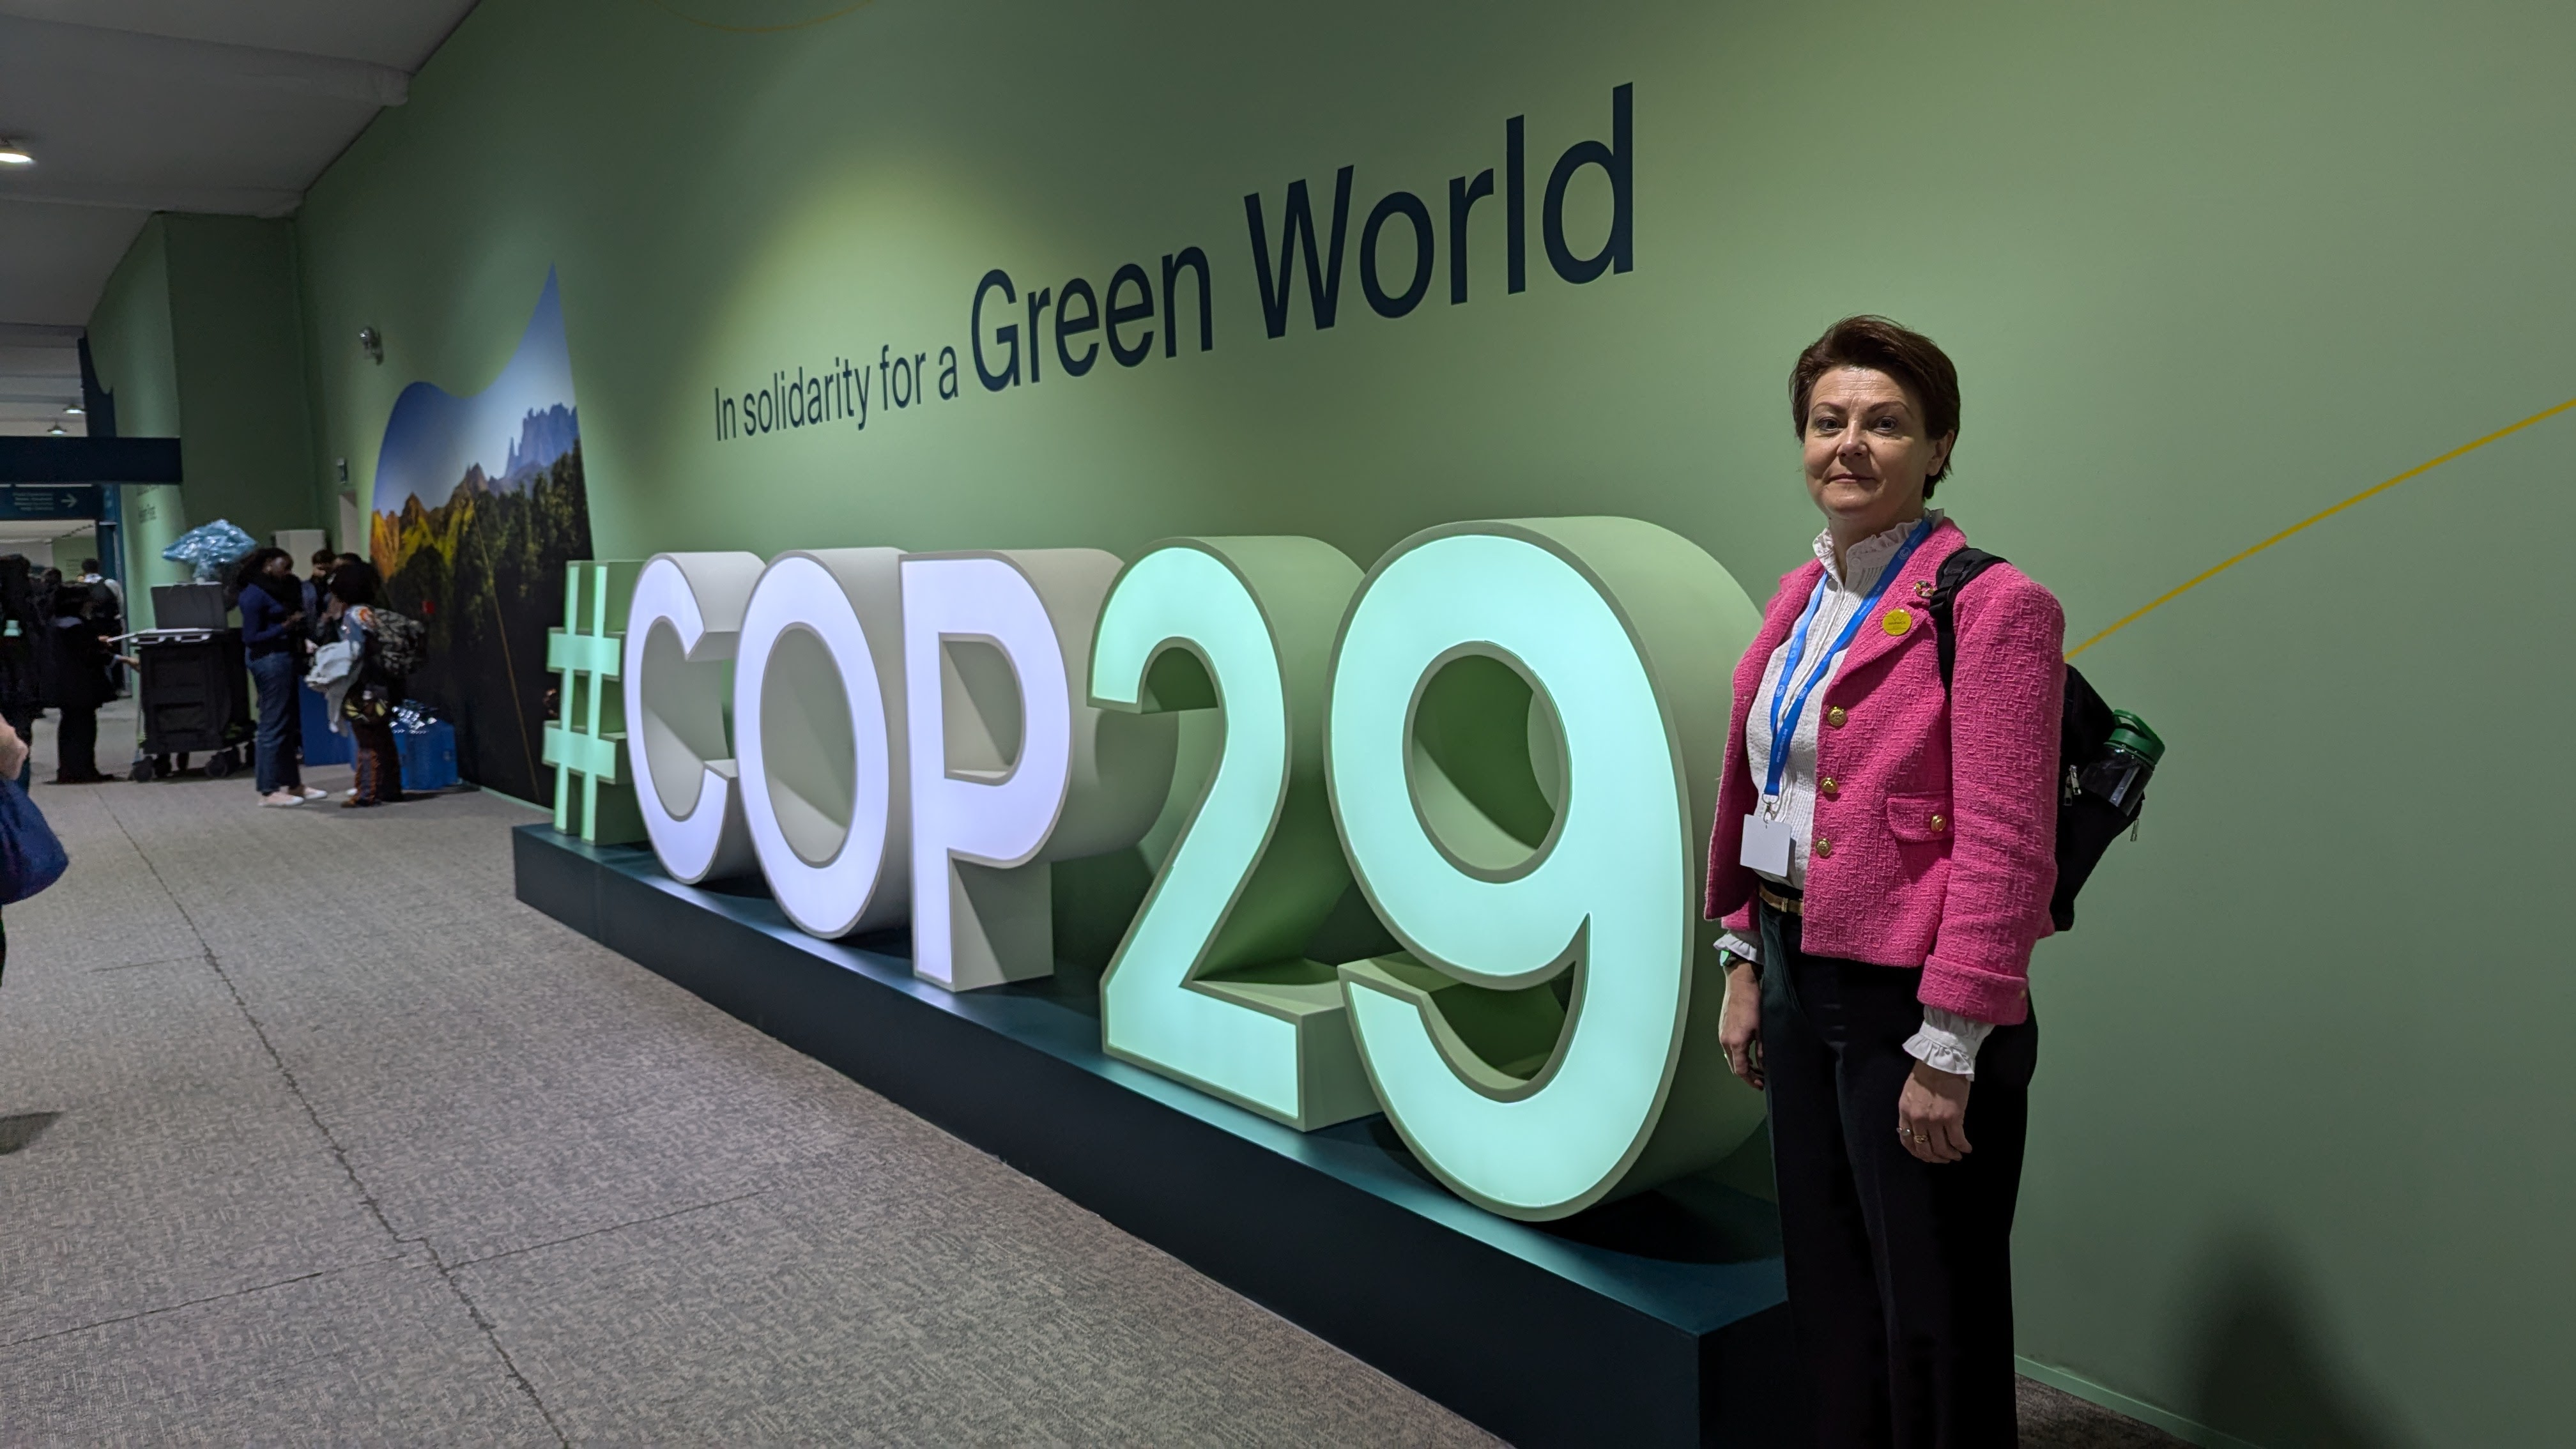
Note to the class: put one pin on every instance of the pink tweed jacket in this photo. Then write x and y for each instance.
(1936, 848)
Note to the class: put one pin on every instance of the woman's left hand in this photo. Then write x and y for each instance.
(1932, 1114)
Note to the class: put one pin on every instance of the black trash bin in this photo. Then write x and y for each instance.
(194, 699)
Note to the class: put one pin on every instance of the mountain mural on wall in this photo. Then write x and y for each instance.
(479, 504)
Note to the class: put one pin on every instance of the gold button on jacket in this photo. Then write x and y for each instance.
(1823, 848)
(1834, 717)
(1829, 787)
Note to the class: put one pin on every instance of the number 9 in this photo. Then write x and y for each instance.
(1550, 1040)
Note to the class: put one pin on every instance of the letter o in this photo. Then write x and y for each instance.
(1410, 207)
(818, 724)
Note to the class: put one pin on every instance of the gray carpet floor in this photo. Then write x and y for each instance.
(311, 1134)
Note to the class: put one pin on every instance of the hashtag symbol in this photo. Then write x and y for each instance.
(586, 743)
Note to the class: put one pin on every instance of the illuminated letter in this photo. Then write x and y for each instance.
(1007, 773)
(680, 632)
(1212, 985)
(1550, 1040)
(820, 748)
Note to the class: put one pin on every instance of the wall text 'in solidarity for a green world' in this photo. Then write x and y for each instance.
(1021, 336)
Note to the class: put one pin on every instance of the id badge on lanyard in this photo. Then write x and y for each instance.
(1766, 841)
(1766, 830)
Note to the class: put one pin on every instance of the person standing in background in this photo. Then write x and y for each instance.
(317, 595)
(108, 607)
(75, 659)
(91, 575)
(272, 613)
(368, 707)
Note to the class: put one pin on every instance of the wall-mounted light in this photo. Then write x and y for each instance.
(15, 153)
(372, 343)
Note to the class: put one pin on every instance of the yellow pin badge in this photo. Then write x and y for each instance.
(1896, 622)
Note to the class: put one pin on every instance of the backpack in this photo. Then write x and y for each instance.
(98, 606)
(400, 643)
(2108, 754)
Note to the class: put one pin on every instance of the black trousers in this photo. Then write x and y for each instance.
(1900, 1271)
(378, 760)
(76, 743)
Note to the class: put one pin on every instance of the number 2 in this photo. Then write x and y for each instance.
(1211, 985)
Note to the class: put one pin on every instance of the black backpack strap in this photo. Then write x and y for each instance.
(1956, 572)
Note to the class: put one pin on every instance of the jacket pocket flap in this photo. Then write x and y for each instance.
(1919, 818)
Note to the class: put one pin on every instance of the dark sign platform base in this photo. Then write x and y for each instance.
(1656, 1320)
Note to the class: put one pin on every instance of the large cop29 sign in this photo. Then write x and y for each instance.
(1505, 733)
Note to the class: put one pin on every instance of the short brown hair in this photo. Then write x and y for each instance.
(1914, 360)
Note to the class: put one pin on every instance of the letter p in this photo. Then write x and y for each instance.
(1007, 772)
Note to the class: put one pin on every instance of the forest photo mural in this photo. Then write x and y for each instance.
(478, 507)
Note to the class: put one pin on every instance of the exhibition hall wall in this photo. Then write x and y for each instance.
(2206, 269)
(132, 348)
(198, 337)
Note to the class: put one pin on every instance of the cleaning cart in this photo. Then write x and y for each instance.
(193, 699)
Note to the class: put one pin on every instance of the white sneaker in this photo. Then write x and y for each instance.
(349, 794)
(309, 793)
(281, 797)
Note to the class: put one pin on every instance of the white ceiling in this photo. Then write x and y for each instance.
(137, 106)
(19, 530)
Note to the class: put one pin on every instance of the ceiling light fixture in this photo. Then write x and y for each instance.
(73, 410)
(55, 431)
(15, 153)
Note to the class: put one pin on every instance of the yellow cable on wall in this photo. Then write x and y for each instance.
(2205, 575)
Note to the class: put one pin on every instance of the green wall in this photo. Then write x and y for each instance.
(199, 336)
(240, 348)
(137, 360)
(2206, 268)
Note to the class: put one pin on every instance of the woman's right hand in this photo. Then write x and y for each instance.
(1739, 1024)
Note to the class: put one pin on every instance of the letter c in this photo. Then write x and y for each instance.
(681, 628)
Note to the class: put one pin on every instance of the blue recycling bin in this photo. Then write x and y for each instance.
(321, 747)
(428, 755)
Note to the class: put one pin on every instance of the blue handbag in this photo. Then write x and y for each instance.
(31, 858)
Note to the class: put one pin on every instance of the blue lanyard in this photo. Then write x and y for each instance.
(1782, 737)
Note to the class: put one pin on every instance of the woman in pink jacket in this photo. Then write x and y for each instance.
(1882, 860)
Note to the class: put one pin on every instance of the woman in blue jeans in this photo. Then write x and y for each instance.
(272, 609)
